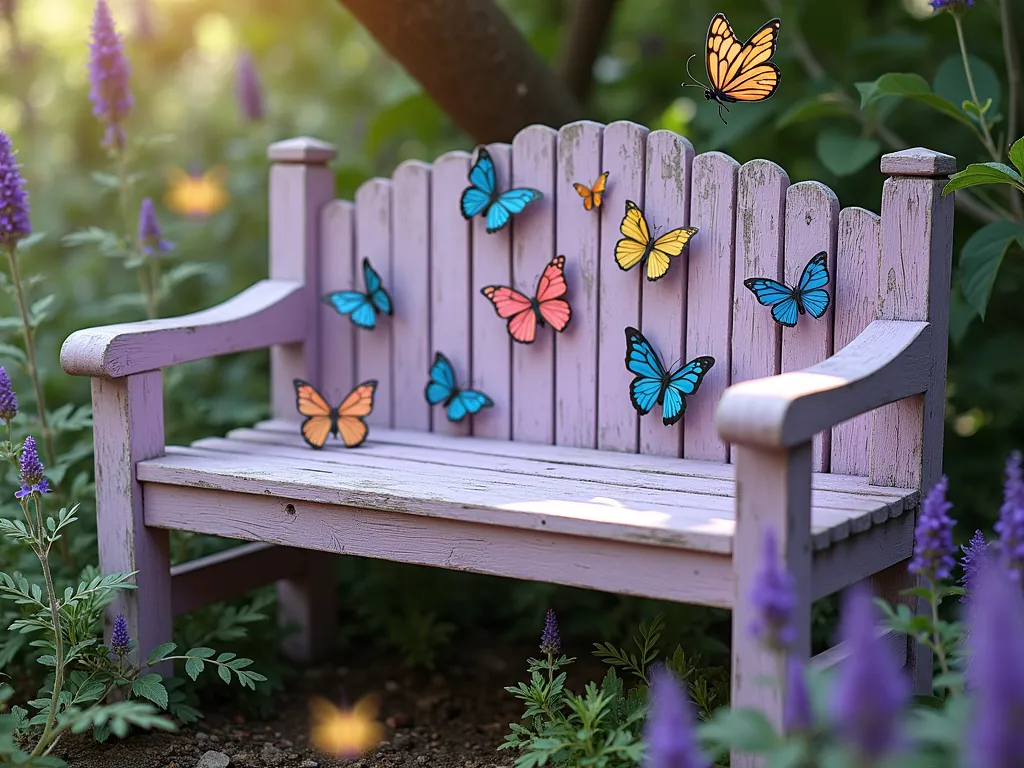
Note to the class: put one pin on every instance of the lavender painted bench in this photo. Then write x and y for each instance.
(826, 432)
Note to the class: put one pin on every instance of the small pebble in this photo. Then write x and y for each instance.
(391, 686)
(214, 760)
(309, 764)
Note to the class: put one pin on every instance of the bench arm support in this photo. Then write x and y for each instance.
(268, 313)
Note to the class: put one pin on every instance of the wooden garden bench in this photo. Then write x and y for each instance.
(560, 481)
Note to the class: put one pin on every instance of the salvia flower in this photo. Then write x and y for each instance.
(774, 598)
(31, 475)
(8, 400)
(933, 547)
(247, 89)
(796, 709)
(550, 639)
(119, 639)
(151, 240)
(14, 209)
(108, 75)
(950, 5)
(996, 672)
(1010, 525)
(669, 734)
(870, 691)
(974, 553)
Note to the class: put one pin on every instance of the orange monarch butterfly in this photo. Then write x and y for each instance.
(739, 72)
(592, 196)
(524, 313)
(346, 419)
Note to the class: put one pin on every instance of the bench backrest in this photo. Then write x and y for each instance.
(572, 388)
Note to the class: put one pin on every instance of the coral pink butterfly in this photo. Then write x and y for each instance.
(524, 313)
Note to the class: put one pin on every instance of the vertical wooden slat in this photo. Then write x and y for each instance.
(450, 279)
(492, 354)
(337, 273)
(410, 294)
(578, 239)
(812, 225)
(623, 154)
(373, 241)
(709, 297)
(666, 206)
(533, 247)
(856, 298)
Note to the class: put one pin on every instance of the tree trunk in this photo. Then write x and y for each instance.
(471, 60)
(584, 35)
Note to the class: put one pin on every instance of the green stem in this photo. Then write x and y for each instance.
(58, 639)
(989, 144)
(1012, 56)
(126, 220)
(940, 652)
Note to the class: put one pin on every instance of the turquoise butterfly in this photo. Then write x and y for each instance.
(482, 197)
(789, 303)
(441, 389)
(362, 308)
(653, 384)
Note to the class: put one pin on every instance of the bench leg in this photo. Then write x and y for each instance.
(888, 584)
(128, 428)
(310, 603)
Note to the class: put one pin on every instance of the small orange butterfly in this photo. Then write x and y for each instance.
(345, 733)
(198, 195)
(346, 419)
(592, 195)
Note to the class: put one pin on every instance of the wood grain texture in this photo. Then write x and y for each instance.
(578, 238)
(623, 156)
(301, 149)
(918, 161)
(373, 242)
(533, 365)
(299, 189)
(856, 306)
(663, 306)
(812, 223)
(709, 297)
(450, 279)
(337, 273)
(128, 427)
(492, 348)
(411, 354)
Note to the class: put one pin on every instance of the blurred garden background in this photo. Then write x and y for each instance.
(320, 73)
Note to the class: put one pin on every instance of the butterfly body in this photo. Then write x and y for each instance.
(592, 196)
(458, 403)
(787, 304)
(638, 246)
(655, 384)
(525, 313)
(345, 420)
(482, 198)
(362, 308)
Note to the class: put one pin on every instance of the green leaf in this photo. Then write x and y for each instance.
(201, 653)
(160, 652)
(1017, 155)
(193, 667)
(844, 153)
(908, 85)
(950, 81)
(27, 242)
(225, 674)
(983, 173)
(980, 259)
(747, 730)
(813, 108)
(961, 314)
(151, 687)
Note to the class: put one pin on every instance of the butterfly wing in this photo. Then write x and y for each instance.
(741, 72)
(551, 287)
(599, 187)
(477, 198)
(320, 417)
(683, 382)
(811, 292)
(442, 380)
(507, 204)
(353, 410)
(646, 389)
(781, 298)
(668, 245)
(636, 237)
(586, 193)
(510, 303)
(467, 402)
(375, 289)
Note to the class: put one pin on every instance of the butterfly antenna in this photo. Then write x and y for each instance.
(720, 105)
(696, 83)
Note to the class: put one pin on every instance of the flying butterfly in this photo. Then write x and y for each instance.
(323, 420)
(655, 385)
(592, 196)
(199, 194)
(788, 303)
(524, 313)
(441, 389)
(738, 72)
(638, 245)
(362, 308)
(482, 196)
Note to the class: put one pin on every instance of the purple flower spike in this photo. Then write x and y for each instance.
(796, 711)
(871, 690)
(950, 5)
(8, 400)
(933, 539)
(1010, 525)
(31, 476)
(247, 89)
(669, 731)
(108, 74)
(974, 553)
(14, 209)
(119, 639)
(775, 599)
(151, 241)
(550, 640)
(996, 673)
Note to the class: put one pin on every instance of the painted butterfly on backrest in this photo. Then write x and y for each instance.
(323, 420)
(592, 196)
(654, 384)
(441, 389)
(482, 197)
(789, 303)
(524, 313)
(362, 308)
(637, 244)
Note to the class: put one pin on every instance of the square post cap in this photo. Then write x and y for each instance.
(918, 161)
(303, 149)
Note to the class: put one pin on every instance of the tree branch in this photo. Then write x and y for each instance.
(471, 60)
(584, 35)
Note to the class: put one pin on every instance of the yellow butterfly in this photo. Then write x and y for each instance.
(637, 244)
(345, 733)
(197, 195)
(592, 195)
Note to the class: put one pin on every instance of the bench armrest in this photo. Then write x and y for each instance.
(890, 360)
(265, 314)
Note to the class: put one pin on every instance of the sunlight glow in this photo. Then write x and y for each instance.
(345, 733)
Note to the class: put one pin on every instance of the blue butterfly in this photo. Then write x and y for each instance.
(362, 308)
(483, 198)
(441, 389)
(653, 384)
(789, 303)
